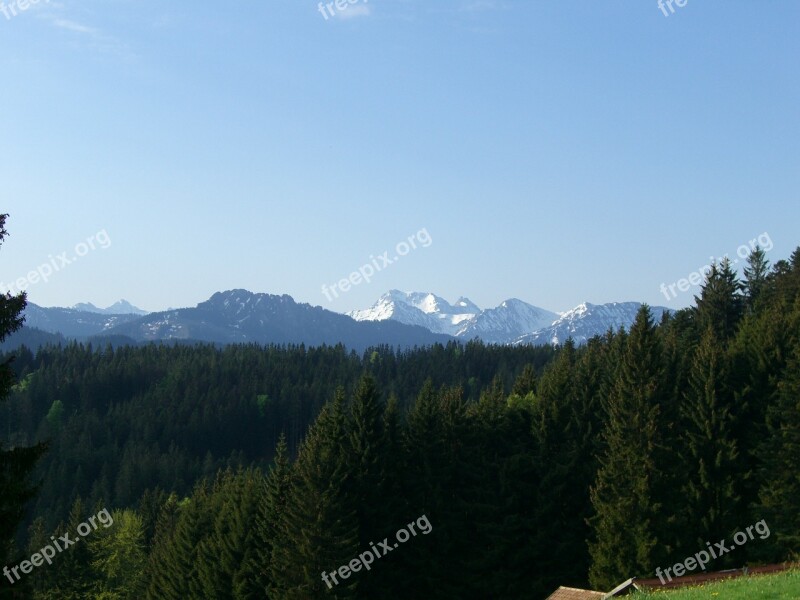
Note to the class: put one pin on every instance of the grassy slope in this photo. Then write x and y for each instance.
(767, 587)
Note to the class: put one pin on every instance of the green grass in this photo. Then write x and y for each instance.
(767, 587)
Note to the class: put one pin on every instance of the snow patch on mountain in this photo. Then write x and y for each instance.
(588, 320)
(513, 318)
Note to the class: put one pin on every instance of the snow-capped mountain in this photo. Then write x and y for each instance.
(240, 316)
(507, 322)
(463, 319)
(120, 307)
(588, 320)
(513, 322)
(419, 308)
(402, 319)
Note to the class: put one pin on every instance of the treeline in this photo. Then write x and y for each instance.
(120, 421)
(621, 456)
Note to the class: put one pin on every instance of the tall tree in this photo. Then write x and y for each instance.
(119, 557)
(779, 500)
(720, 305)
(174, 576)
(626, 525)
(755, 275)
(526, 382)
(320, 524)
(271, 511)
(16, 463)
(711, 492)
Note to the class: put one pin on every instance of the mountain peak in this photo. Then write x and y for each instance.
(120, 307)
(467, 304)
(463, 318)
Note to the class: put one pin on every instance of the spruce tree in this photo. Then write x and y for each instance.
(16, 463)
(320, 524)
(72, 566)
(526, 382)
(711, 491)
(779, 498)
(176, 575)
(720, 305)
(226, 562)
(627, 526)
(119, 557)
(755, 276)
(159, 547)
(440, 484)
(568, 422)
(271, 510)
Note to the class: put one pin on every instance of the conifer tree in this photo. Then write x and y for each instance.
(16, 463)
(160, 546)
(73, 565)
(119, 557)
(627, 523)
(320, 524)
(779, 499)
(439, 485)
(176, 575)
(567, 429)
(526, 382)
(755, 276)
(711, 491)
(226, 562)
(720, 305)
(271, 510)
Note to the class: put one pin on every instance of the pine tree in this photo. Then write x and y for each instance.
(501, 500)
(176, 577)
(439, 485)
(17, 463)
(720, 305)
(711, 492)
(526, 382)
(567, 424)
(755, 276)
(72, 566)
(780, 451)
(160, 547)
(226, 560)
(271, 510)
(119, 557)
(320, 525)
(626, 525)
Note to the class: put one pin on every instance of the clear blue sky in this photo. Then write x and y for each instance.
(557, 152)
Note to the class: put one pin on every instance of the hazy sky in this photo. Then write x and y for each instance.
(557, 152)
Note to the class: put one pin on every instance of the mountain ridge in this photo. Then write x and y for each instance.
(404, 319)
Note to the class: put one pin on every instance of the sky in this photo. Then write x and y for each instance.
(556, 151)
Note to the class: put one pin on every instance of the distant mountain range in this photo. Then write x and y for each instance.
(585, 321)
(73, 323)
(235, 316)
(513, 322)
(121, 307)
(403, 319)
(512, 319)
